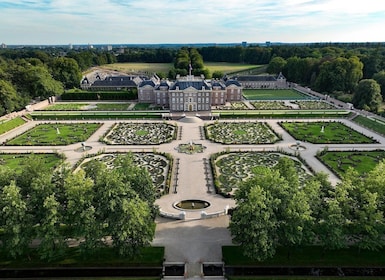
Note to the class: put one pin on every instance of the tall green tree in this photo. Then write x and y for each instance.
(67, 71)
(253, 224)
(9, 99)
(14, 221)
(379, 77)
(276, 65)
(367, 95)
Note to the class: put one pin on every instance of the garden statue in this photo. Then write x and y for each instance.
(322, 129)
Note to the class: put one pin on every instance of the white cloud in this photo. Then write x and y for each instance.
(151, 21)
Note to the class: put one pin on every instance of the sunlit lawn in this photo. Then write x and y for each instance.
(11, 124)
(17, 161)
(362, 162)
(55, 134)
(325, 133)
(165, 67)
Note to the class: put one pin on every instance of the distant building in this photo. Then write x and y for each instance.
(3, 46)
(112, 83)
(262, 81)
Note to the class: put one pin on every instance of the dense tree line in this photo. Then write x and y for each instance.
(97, 207)
(275, 209)
(28, 74)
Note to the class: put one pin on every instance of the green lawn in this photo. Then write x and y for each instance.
(272, 94)
(88, 107)
(55, 134)
(325, 133)
(8, 125)
(17, 161)
(374, 124)
(165, 67)
(340, 161)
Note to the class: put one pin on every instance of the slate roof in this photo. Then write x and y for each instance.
(147, 83)
(182, 84)
(115, 81)
(233, 82)
(216, 83)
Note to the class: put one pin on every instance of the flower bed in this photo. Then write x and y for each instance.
(157, 165)
(141, 134)
(230, 169)
(241, 133)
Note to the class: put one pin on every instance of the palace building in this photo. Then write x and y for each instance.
(189, 93)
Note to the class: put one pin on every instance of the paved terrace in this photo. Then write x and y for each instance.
(192, 240)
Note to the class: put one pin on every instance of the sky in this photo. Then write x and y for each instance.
(61, 22)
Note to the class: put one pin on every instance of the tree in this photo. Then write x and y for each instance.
(9, 99)
(276, 65)
(125, 217)
(67, 71)
(80, 213)
(367, 95)
(253, 223)
(380, 79)
(290, 208)
(14, 221)
(48, 230)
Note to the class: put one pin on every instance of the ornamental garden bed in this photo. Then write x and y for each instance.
(231, 169)
(140, 134)
(325, 133)
(241, 133)
(53, 134)
(361, 161)
(88, 107)
(158, 166)
(274, 94)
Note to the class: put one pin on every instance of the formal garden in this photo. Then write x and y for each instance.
(88, 107)
(241, 133)
(140, 134)
(158, 166)
(274, 94)
(333, 132)
(361, 161)
(297, 105)
(233, 168)
(55, 134)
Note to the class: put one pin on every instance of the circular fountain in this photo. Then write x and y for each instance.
(191, 204)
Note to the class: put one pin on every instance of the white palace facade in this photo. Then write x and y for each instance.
(189, 93)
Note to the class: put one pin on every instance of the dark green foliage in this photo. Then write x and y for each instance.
(53, 207)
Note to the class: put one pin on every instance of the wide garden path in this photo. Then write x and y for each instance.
(192, 240)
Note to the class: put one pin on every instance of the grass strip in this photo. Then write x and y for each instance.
(11, 124)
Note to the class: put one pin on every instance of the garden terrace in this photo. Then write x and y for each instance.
(362, 161)
(281, 114)
(325, 133)
(241, 133)
(270, 105)
(141, 134)
(157, 165)
(271, 94)
(8, 125)
(18, 161)
(88, 107)
(54, 134)
(313, 105)
(87, 115)
(230, 169)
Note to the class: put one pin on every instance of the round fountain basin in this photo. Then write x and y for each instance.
(191, 204)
